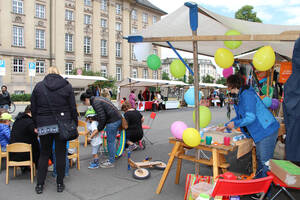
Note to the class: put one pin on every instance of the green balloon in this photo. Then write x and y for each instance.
(232, 44)
(264, 90)
(204, 116)
(153, 62)
(177, 68)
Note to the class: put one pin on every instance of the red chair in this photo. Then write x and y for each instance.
(282, 186)
(146, 128)
(226, 187)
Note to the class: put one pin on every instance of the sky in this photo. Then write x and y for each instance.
(283, 12)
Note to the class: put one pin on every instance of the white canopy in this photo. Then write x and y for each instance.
(209, 23)
(79, 81)
(212, 85)
(140, 82)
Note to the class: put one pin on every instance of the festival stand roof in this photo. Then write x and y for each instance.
(82, 81)
(140, 82)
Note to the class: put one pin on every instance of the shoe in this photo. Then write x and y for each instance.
(132, 147)
(93, 165)
(39, 188)
(60, 187)
(104, 161)
(107, 165)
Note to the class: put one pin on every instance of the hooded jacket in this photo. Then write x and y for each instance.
(61, 97)
(5, 98)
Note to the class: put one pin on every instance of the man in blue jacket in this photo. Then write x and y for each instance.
(254, 120)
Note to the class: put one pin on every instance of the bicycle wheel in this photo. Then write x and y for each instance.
(12, 108)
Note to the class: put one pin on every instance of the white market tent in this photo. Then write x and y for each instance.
(79, 81)
(214, 85)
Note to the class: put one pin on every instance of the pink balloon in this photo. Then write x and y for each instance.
(177, 129)
(227, 72)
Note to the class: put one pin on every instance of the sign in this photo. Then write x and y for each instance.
(2, 67)
(79, 72)
(285, 71)
(32, 69)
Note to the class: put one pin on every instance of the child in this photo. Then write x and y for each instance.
(94, 137)
(5, 120)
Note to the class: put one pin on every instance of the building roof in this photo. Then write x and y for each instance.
(150, 5)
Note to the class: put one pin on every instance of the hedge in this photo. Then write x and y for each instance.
(20, 97)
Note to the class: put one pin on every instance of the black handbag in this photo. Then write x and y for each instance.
(67, 128)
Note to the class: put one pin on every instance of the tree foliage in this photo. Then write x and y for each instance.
(191, 79)
(165, 76)
(221, 80)
(207, 79)
(246, 13)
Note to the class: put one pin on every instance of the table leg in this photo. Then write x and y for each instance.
(179, 164)
(215, 162)
(254, 163)
(168, 167)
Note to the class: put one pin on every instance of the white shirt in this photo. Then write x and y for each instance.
(96, 140)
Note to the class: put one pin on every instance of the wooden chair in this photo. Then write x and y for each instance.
(84, 132)
(74, 144)
(2, 155)
(18, 148)
(226, 187)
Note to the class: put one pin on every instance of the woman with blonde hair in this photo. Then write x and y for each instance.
(52, 98)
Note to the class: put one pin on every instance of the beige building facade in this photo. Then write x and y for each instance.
(72, 34)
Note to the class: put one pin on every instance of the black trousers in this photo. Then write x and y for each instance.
(46, 150)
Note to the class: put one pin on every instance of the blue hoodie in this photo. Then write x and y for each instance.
(4, 134)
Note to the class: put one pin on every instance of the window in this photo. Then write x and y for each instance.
(68, 42)
(18, 36)
(154, 19)
(145, 73)
(39, 39)
(134, 30)
(40, 67)
(104, 5)
(134, 73)
(18, 6)
(104, 70)
(87, 45)
(155, 74)
(145, 17)
(155, 51)
(87, 19)
(19, 92)
(104, 23)
(133, 57)
(134, 15)
(118, 26)
(119, 73)
(103, 47)
(40, 11)
(69, 15)
(18, 65)
(118, 9)
(87, 66)
(87, 2)
(68, 68)
(118, 49)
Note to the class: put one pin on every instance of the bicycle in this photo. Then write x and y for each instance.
(12, 108)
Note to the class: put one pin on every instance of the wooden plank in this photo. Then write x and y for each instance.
(244, 147)
(167, 170)
(285, 36)
(215, 157)
(179, 165)
(254, 168)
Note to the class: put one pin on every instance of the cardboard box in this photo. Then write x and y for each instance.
(286, 171)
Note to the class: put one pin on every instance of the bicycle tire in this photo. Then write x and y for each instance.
(12, 108)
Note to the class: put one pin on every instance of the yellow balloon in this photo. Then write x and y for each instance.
(224, 58)
(191, 137)
(264, 58)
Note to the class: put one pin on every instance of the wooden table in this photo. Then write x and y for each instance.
(217, 161)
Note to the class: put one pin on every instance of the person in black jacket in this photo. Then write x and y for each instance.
(4, 98)
(23, 131)
(107, 115)
(57, 91)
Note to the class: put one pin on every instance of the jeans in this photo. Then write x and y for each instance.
(264, 152)
(111, 132)
(54, 174)
(5, 106)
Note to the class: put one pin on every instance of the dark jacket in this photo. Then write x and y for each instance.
(61, 97)
(106, 111)
(5, 98)
(23, 131)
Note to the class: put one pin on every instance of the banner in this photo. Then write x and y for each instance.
(285, 71)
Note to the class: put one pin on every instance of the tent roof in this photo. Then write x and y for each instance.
(82, 81)
(210, 23)
(140, 82)
(212, 85)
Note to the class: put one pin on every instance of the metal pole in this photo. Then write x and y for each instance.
(30, 84)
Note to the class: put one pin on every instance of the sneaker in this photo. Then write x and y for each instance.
(93, 165)
(104, 161)
(132, 147)
(107, 165)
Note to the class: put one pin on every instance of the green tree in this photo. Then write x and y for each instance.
(207, 79)
(165, 76)
(246, 13)
(191, 79)
(221, 80)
